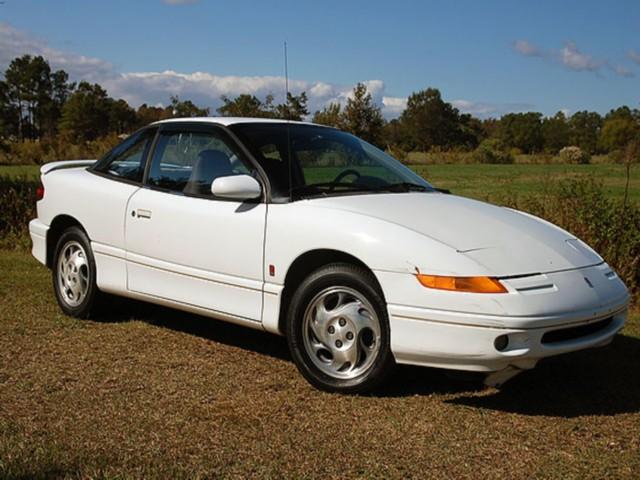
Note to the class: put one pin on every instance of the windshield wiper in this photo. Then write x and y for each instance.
(328, 188)
(401, 187)
(324, 188)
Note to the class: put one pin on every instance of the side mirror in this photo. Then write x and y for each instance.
(236, 187)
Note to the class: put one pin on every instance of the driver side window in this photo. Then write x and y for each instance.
(188, 162)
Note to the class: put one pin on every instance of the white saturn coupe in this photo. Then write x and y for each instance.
(309, 232)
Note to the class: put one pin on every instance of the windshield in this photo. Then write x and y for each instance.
(325, 161)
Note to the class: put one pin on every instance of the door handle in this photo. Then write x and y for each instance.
(143, 213)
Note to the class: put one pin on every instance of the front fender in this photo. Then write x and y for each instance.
(296, 228)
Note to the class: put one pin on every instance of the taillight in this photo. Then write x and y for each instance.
(40, 192)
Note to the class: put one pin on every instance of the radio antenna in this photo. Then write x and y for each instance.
(286, 79)
(287, 108)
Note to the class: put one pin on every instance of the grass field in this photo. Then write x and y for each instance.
(482, 181)
(155, 393)
(486, 181)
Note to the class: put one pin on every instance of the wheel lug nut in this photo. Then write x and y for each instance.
(342, 322)
(349, 335)
(332, 329)
(338, 343)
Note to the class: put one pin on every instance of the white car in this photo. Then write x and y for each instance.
(309, 232)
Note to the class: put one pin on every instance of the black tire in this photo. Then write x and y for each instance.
(75, 236)
(355, 279)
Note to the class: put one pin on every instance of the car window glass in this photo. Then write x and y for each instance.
(270, 152)
(188, 162)
(323, 160)
(127, 159)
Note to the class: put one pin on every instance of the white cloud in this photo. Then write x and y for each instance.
(572, 58)
(622, 71)
(15, 43)
(375, 88)
(321, 89)
(206, 88)
(527, 49)
(393, 106)
(634, 55)
(202, 87)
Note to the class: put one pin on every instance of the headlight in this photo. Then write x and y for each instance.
(462, 284)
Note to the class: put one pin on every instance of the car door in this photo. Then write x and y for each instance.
(101, 199)
(185, 245)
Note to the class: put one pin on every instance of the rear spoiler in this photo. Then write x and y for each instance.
(51, 166)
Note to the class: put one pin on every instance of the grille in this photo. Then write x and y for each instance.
(571, 333)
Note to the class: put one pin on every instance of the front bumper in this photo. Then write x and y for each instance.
(461, 331)
(38, 232)
(419, 340)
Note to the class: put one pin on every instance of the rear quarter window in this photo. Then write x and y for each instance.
(126, 161)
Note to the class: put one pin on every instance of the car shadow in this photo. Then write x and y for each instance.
(604, 381)
(404, 381)
(408, 380)
(123, 310)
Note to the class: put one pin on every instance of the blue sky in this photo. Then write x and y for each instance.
(487, 57)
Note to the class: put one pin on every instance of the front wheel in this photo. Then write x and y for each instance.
(338, 330)
(74, 274)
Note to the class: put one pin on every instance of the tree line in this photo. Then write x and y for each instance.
(37, 102)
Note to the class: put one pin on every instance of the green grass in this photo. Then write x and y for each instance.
(17, 171)
(482, 181)
(148, 392)
(485, 181)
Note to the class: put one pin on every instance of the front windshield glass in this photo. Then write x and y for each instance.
(325, 161)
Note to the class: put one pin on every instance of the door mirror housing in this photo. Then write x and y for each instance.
(236, 187)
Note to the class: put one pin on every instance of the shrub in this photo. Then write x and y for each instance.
(37, 152)
(539, 159)
(24, 153)
(492, 150)
(18, 200)
(574, 154)
(581, 207)
(398, 153)
(514, 151)
(439, 158)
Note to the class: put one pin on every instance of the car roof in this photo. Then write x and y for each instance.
(230, 120)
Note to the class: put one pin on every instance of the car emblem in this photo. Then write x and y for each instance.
(588, 282)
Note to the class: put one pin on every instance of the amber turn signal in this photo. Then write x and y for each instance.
(462, 284)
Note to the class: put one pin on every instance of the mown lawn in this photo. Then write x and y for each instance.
(155, 393)
(490, 181)
(485, 181)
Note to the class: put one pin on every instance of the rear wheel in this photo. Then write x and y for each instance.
(74, 274)
(338, 331)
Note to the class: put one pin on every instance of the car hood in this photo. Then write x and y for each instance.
(503, 241)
